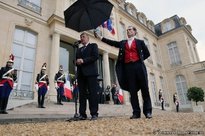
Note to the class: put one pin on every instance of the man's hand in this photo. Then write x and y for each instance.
(79, 61)
(97, 35)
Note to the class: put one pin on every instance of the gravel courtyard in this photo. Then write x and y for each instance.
(162, 123)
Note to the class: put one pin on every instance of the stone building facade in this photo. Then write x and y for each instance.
(34, 31)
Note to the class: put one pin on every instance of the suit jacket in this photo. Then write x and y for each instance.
(143, 54)
(90, 57)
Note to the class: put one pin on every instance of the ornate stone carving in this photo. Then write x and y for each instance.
(28, 21)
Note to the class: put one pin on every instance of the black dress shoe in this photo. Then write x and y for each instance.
(82, 117)
(94, 117)
(43, 107)
(4, 112)
(135, 116)
(148, 115)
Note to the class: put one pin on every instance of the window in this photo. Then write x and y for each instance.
(131, 11)
(157, 56)
(24, 50)
(122, 31)
(112, 70)
(100, 66)
(141, 19)
(167, 26)
(66, 57)
(33, 5)
(174, 54)
(154, 88)
(148, 46)
(181, 87)
(195, 54)
(146, 43)
(164, 93)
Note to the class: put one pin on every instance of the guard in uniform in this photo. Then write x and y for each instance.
(59, 84)
(8, 76)
(43, 82)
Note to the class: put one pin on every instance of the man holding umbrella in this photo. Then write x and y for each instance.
(131, 70)
(87, 72)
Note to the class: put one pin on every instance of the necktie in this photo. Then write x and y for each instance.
(83, 48)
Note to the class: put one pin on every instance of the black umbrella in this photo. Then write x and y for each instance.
(87, 14)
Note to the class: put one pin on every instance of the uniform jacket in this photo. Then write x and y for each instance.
(60, 79)
(143, 53)
(10, 77)
(45, 79)
(90, 57)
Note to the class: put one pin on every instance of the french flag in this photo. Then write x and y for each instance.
(67, 88)
(108, 24)
(120, 96)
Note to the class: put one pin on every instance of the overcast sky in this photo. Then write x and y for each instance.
(191, 10)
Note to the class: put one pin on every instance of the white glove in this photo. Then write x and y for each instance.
(48, 88)
(97, 34)
(56, 87)
(15, 85)
(36, 87)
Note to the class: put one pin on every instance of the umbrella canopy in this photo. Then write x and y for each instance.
(87, 14)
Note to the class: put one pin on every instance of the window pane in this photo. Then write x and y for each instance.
(17, 63)
(27, 78)
(19, 35)
(36, 2)
(64, 58)
(17, 50)
(29, 53)
(30, 39)
(25, 87)
(28, 65)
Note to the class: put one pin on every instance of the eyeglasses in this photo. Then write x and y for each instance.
(129, 29)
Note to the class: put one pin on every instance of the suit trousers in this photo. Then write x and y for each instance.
(88, 90)
(136, 77)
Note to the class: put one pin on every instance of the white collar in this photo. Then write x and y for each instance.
(131, 38)
(86, 44)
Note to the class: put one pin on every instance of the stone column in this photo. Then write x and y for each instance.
(54, 64)
(106, 70)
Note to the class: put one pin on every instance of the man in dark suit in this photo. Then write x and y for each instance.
(131, 70)
(87, 72)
